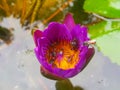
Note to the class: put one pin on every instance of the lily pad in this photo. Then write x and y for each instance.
(107, 35)
(107, 8)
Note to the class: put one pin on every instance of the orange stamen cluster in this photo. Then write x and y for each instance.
(64, 55)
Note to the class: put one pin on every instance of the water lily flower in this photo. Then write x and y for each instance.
(63, 49)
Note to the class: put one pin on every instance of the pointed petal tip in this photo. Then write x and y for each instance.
(37, 34)
(55, 31)
(69, 21)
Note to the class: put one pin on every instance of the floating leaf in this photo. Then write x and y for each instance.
(107, 8)
(107, 34)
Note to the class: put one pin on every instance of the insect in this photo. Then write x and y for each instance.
(90, 43)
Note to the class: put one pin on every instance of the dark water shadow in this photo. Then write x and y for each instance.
(66, 85)
(6, 35)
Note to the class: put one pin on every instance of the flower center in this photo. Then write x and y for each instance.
(64, 54)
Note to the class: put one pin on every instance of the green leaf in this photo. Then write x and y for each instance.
(107, 8)
(107, 35)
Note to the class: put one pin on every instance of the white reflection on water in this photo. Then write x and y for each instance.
(19, 68)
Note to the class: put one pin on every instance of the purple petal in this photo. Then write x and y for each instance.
(48, 74)
(89, 55)
(40, 51)
(37, 34)
(58, 74)
(80, 34)
(69, 21)
(78, 68)
(76, 31)
(84, 32)
(56, 32)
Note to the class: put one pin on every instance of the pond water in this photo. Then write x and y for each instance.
(20, 70)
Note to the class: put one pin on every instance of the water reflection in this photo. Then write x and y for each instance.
(66, 85)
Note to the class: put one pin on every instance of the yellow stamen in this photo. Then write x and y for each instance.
(63, 55)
